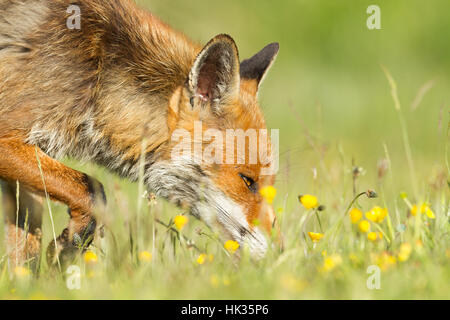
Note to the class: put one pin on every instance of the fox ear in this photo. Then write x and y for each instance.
(255, 68)
(214, 77)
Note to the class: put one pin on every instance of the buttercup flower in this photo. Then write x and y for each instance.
(268, 193)
(145, 256)
(315, 237)
(201, 258)
(308, 201)
(231, 246)
(430, 213)
(372, 236)
(331, 262)
(364, 226)
(424, 208)
(384, 260)
(180, 221)
(377, 214)
(355, 215)
(90, 257)
(405, 251)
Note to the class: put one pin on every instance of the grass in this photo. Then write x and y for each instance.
(143, 255)
(342, 133)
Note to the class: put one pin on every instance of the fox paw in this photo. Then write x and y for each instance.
(62, 252)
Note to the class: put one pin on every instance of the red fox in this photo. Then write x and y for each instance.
(94, 92)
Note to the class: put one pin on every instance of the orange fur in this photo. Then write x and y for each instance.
(98, 92)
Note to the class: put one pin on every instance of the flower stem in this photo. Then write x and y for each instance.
(318, 219)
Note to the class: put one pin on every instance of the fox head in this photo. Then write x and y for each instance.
(219, 180)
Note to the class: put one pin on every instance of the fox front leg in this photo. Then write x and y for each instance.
(39, 173)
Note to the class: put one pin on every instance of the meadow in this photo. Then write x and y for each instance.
(364, 130)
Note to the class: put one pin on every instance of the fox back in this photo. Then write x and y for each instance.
(121, 87)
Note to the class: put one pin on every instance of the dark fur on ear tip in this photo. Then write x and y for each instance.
(256, 67)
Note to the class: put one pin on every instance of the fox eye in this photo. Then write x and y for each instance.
(249, 182)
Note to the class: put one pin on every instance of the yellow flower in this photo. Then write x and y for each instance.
(371, 215)
(429, 213)
(201, 258)
(391, 259)
(231, 246)
(331, 262)
(315, 237)
(404, 252)
(381, 212)
(355, 215)
(364, 226)
(309, 201)
(21, 272)
(90, 257)
(377, 214)
(145, 256)
(268, 193)
(424, 208)
(372, 236)
(180, 221)
(384, 260)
